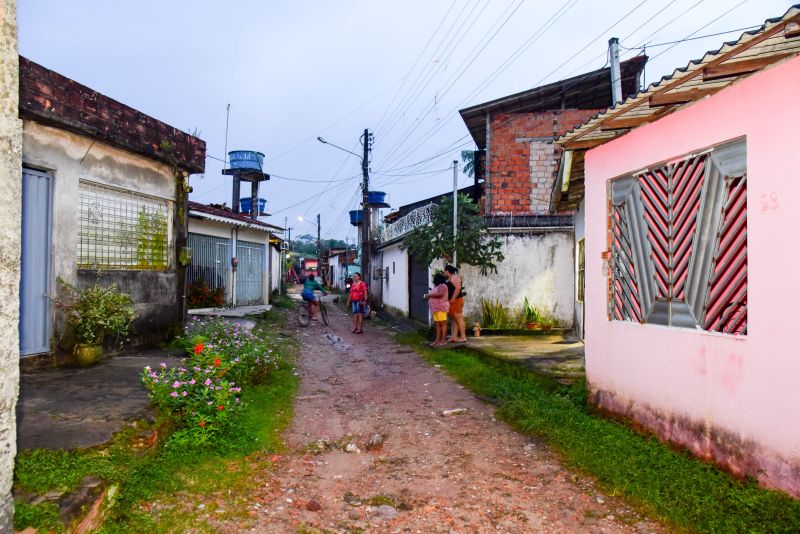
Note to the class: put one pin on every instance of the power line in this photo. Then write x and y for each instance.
(700, 28)
(493, 76)
(460, 72)
(698, 37)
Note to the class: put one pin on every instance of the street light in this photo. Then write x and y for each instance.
(365, 245)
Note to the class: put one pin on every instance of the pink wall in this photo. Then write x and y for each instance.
(734, 399)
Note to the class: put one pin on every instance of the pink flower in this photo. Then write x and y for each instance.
(207, 382)
(173, 394)
(162, 365)
(176, 384)
(183, 393)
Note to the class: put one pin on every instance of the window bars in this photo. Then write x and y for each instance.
(119, 229)
(678, 240)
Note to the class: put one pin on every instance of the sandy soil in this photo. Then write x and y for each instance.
(374, 448)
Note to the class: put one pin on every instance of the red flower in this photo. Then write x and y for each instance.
(202, 423)
(220, 407)
(199, 348)
(217, 362)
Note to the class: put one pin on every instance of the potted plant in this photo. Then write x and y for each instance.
(93, 313)
(532, 315)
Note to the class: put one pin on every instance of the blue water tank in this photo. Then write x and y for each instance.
(246, 202)
(356, 217)
(377, 199)
(245, 159)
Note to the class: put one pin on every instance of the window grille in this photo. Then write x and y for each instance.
(678, 245)
(120, 229)
(581, 270)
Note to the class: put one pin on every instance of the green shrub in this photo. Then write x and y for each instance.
(96, 312)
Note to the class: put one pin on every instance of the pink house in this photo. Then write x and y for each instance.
(692, 217)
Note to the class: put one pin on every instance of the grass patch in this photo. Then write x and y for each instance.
(174, 477)
(672, 486)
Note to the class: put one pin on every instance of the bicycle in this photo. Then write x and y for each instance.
(304, 312)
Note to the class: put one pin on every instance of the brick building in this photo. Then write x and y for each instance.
(519, 160)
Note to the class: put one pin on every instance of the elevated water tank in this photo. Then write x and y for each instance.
(246, 203)
(356, 217)
(377, 199)
(246, 159)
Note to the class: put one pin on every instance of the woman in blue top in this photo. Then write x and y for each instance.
(308, 295)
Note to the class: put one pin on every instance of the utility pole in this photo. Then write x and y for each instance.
(365, 237)
(455, 210)
(616, 76)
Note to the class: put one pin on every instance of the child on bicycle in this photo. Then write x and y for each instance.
(308, 295)
(439, 306)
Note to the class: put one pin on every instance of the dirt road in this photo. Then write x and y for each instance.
(375, 448)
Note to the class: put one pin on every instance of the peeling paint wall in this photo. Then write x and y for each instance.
(69, 158)
(539, 266)
(10, 233)
(395, 287)
(733, 400)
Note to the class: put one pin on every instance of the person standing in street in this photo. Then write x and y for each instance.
(456, 295)
(357, 300)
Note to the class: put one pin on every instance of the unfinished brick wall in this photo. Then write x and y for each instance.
(523, 159)
(48, 97)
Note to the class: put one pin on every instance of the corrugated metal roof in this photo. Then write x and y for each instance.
(778, 39)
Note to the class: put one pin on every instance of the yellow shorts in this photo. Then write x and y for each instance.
(439, 316)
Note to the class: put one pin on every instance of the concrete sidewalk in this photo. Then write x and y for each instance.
(560, 357)
(72, 407)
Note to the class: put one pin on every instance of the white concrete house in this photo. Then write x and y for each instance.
(218, 238)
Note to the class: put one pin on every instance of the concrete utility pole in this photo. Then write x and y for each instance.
(319, 250)
(455, 210)
(365, 237)
(616, 76)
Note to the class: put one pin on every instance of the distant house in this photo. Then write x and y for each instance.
(104, 192)
(692, 205)
(217, 236)
(341, 264)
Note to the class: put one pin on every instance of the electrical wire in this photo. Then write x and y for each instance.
(487, 81)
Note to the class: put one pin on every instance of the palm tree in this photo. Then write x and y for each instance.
(468, 157)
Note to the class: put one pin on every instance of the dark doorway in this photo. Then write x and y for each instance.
(418, 285)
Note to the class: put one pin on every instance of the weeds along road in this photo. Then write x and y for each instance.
(375, 447)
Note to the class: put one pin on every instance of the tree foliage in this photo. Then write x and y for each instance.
(468, 158)
(306, 244)
(473, 244)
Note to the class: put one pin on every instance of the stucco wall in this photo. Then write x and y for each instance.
(538, 266)
(10, 233)
(733, 399)
(395, 287)
(69, 158)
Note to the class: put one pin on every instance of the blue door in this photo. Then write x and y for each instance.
(35, 305)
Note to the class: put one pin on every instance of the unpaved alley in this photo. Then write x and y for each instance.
(383, 442)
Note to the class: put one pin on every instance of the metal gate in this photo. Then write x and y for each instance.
(210, 261)
(250, 275)
(418, 285)
(35, 309)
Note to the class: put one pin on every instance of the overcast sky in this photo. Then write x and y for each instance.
(292, 71)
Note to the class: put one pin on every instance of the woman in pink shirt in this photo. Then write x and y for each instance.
(358, 300)
(439, 305)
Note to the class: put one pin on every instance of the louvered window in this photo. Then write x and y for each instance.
(678, 235)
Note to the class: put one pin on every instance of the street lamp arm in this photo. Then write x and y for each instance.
(323, 141)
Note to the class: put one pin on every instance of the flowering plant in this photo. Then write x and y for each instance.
(201, 399)
(204, 393)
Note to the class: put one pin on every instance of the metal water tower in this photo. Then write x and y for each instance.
(246, 165)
